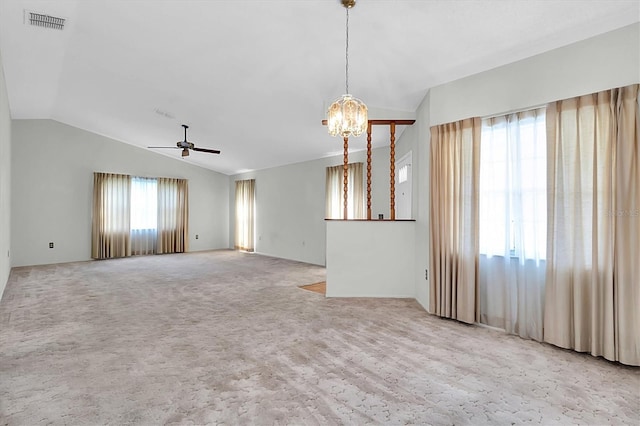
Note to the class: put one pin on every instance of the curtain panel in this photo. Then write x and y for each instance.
(110, 235)
(173, 216)
(592, 295)
(245, 207)
(334, 195)
(454, 181)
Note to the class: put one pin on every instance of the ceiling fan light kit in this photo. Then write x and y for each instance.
(347, 116)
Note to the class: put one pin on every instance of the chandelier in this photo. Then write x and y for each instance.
(347, 116)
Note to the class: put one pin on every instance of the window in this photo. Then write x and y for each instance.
(403, 174)
(513, 222)
(144, 203)
(245, 217)
(513, 185)
(144, 215)
(136, 215)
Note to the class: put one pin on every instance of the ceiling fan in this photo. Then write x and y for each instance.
(186, 146)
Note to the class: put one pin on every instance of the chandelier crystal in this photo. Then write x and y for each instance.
(347, 116)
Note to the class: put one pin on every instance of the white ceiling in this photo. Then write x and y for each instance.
(253, 78)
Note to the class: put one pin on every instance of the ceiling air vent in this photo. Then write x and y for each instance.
(43, 20)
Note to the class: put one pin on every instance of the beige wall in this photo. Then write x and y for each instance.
(370, 259)
(599, 63)
(52, 182)
(5, 183)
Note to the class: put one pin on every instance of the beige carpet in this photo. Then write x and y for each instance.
(226, 337)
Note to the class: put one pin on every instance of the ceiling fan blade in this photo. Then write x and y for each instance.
(185, 146)
(211, 151)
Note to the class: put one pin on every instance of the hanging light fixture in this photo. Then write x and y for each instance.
(347, 116)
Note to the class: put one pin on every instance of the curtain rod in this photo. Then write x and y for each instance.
(515, 111)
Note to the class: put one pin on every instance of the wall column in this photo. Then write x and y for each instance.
(369, 171)
(345, 173)
(392, 168)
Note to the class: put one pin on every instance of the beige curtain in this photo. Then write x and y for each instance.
(245, 207)
(111, 215)
(334, 195)
(454, 180)
(355, 204)
(592, 300)
(173, 215)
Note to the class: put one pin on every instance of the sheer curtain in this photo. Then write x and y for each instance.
(513, 226)
(335, 192)
(173, 215)
(593, 271)
(453, 222)
(111, 216)
(144, 215)
(245, 206)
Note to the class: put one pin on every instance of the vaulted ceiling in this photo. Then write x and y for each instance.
(253, 78)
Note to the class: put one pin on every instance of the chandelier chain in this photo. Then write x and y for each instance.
(346, 55)
(347, 116)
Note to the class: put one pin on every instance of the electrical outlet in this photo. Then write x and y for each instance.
(50, 245)
(196, 236)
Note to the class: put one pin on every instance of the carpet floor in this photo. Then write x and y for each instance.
(223, 337)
